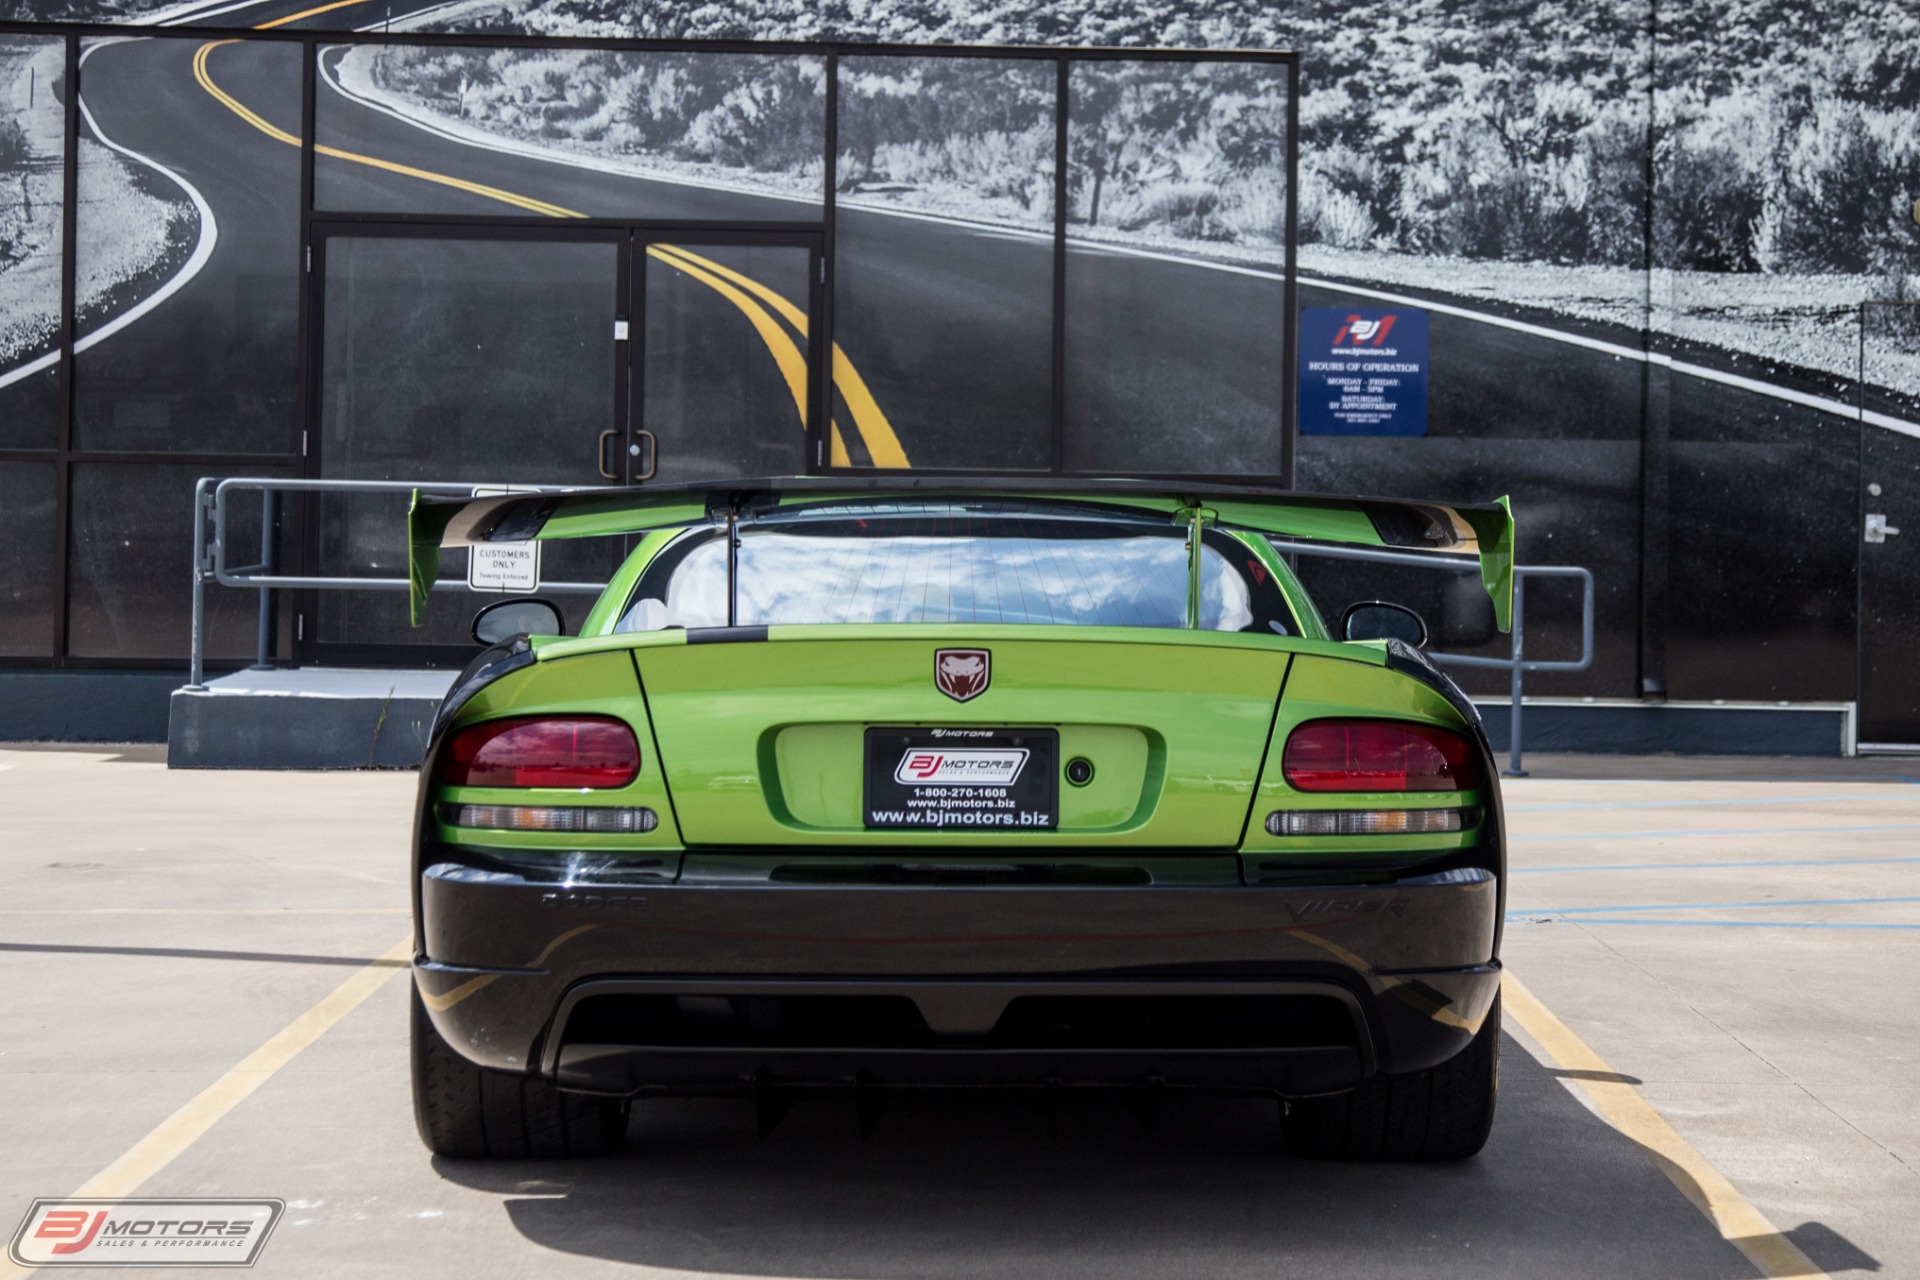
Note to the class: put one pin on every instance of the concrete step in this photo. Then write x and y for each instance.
(361, 718)
(306, 718)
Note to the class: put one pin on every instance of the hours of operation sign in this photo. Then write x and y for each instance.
(1363, 371)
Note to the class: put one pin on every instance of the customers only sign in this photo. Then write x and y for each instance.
(1363, 372)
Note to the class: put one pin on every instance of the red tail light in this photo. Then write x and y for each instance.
(556, 751)
(1378, 755)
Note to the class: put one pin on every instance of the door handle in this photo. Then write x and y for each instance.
(1878, 530)
(600, 453)
(653, 454)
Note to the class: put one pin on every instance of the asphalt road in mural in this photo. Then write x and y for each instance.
(926, 286)
(946, 325)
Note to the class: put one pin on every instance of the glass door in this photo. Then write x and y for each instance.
(1890, 526)
(725, 378)
(481, 356)
(497, 356)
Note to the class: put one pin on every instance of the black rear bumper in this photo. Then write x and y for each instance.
(673, 987)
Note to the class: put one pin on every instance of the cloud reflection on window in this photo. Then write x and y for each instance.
(846, 571)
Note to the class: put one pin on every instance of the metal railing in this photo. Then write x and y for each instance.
(210, 534)
(211, 508)
(1516, 662)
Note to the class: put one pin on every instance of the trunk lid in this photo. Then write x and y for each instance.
(765, 741)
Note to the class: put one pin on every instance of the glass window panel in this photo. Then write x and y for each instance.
(1761, 576)
(130, 558)
(1890, 483)
(724, 374)
(566, 132)
(456, 359)
(32, 152)
(188, 254)
(941, 564)
(29, 578)
(943, 289)
(1173, 365)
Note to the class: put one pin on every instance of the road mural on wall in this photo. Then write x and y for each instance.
(1498, 213)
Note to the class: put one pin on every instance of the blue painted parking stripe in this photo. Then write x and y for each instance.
(1715, 866)
(1722, 831)
(1715, 906)
(1737, 924)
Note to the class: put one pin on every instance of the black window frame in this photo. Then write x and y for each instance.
(290, 528)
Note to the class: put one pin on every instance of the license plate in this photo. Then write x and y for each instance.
(963, 779)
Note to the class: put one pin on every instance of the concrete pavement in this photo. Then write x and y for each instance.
(1738, 948)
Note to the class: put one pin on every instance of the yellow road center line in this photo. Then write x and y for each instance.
(1732, 1214)
(793, 365)
(246, 113)
(772, 297)
(172, 1136)
(875, 430)
(868, 420)
(308, 13)
(692, 263)
(882, 443)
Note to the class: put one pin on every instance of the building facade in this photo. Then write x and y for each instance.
(1664, 257)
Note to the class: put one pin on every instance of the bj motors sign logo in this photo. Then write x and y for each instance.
(144, 1233)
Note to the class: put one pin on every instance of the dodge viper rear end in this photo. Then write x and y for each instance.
(885, 785)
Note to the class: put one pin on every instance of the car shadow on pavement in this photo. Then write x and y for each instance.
(972, 1183)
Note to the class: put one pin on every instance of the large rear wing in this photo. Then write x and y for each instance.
(1484, 529)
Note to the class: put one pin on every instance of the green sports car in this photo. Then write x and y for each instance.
(897, 781)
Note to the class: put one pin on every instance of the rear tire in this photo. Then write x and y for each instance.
(470, 1112)
(1443, 1113)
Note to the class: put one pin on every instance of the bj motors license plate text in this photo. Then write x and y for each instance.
(962, 779)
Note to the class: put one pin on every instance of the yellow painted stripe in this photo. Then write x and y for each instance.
(875, 430)
(793, 365)
(881, 441)
(693, 264)
(308, 13)
(190, 1123)
(1731, 1213)
(246, 113)
(772, 297)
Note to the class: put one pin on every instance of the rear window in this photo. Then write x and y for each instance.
(956, 565)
